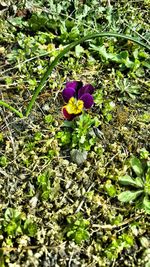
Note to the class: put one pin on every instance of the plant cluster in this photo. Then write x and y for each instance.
(77, 228)
(15, 223)
(141, 183)
(74, 170)
(79, 134)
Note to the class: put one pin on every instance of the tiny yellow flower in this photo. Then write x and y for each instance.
(74, 106)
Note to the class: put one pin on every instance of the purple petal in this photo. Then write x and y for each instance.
(76, 85)
(88, 88)
(87, 99)
(67, 93)
(72, 85)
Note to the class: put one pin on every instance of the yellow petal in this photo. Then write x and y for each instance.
(80, 105)
(72, 101)
(70, 109)
(74, 106)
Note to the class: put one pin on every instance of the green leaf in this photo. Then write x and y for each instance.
(81, 235)
(127, 180)
(45, 195)
(111, 190)
(123, 57)
(11, 228)
(136, 166)
(139, 182)
(102, 51)
(146, 64)
(48, 118)
(74, 33)
(38, 136)
(128, 196)
(12, 214)
(18, 21)
(2, 263)
(3, 161)
(144, 154)
(40, 21)
(146, 204)
(79, 50)
(147, 182)
(30, 228)
(148, 175)
(69, 124)
(42, 179)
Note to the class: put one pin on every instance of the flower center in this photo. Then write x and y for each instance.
(74, 106)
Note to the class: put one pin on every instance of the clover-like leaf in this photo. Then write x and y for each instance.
(128, 196)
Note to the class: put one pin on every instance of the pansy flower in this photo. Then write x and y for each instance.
(77, 97)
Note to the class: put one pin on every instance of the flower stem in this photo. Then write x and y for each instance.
(4, 104)
(67, 49)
